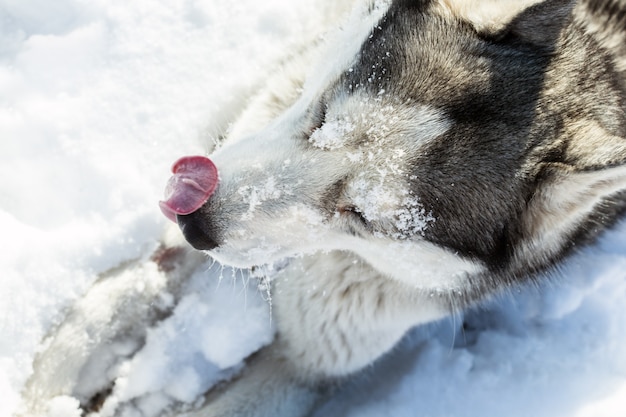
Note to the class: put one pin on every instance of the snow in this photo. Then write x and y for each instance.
(98, 98)
(255, 196)
(203, 341)
(331, 135)
(380, 201)
(64, 406)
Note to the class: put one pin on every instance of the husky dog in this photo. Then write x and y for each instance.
(429, 154)
(451, 150)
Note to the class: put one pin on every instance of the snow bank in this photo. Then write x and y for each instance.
(218, 322)
(97, 98)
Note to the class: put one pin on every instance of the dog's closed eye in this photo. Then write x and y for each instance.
(354, 213)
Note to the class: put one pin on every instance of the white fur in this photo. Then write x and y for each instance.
(485, 15)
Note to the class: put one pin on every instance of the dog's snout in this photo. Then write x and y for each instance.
(196, 232)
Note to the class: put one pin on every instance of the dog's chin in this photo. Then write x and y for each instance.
(263, 251)
(251, 257)
(263, 257)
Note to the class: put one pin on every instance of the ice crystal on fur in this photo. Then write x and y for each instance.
(332, 134)
(397, 212)
(375, 201)
(255, 196)
(412, 219)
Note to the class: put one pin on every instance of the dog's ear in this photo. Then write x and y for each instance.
(541, 23)
(533, 21)
(577, 196)
(570, 210)
(485, 15)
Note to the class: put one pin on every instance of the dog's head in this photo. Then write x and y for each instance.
(447, 144)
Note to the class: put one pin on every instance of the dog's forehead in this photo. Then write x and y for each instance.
(421, 60)
(381, 98)
(420, 55)
(380, 121)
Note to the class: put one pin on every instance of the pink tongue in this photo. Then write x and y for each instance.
(193, 182)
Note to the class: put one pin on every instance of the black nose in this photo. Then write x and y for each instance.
(197, 231)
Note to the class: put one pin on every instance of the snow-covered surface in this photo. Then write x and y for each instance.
(98, 98)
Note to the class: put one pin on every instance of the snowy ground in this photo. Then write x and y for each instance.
(97, 98)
